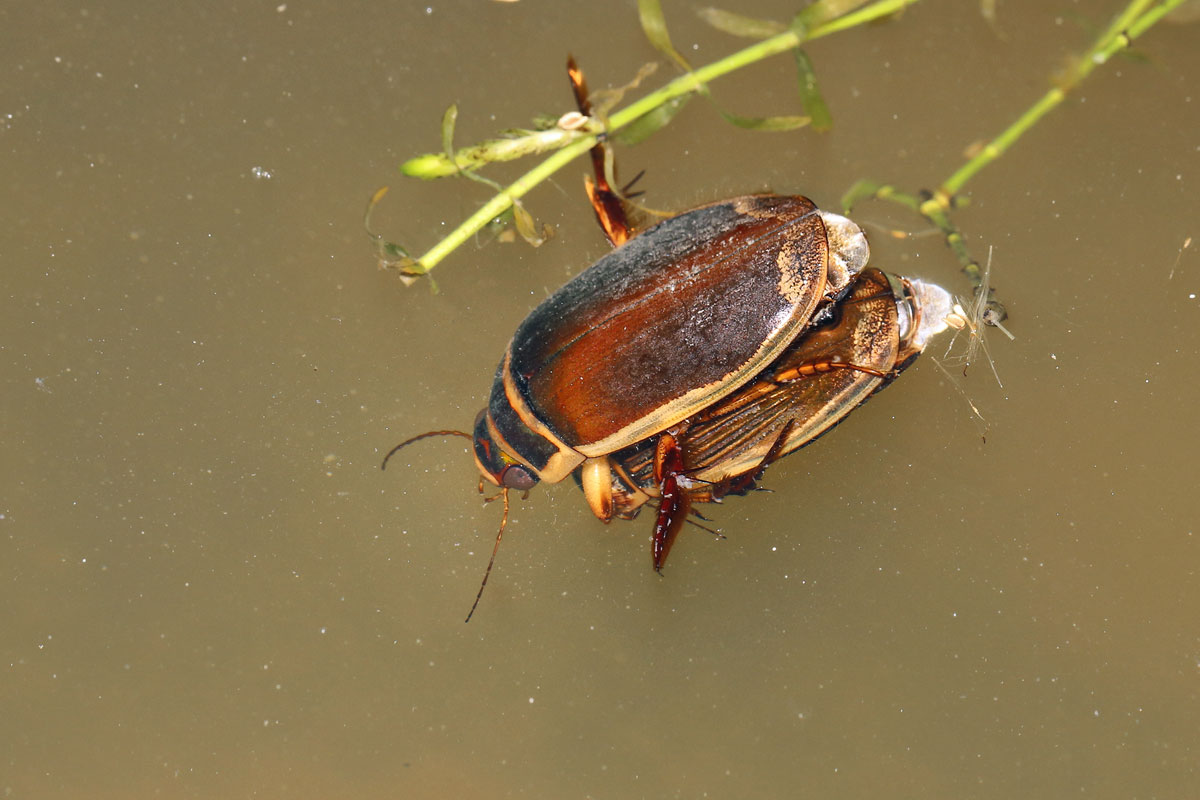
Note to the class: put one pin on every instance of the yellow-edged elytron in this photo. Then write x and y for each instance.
(676, 368)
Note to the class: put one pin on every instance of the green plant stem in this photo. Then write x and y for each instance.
(500, 203)
(780, 43)
(1127, 26)
(684, 84)
(1137, 17)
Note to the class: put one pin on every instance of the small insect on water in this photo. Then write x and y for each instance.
(679, 366)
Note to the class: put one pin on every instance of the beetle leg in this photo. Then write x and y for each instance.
(672, 513)
(607, 203)
(747, 481)
(773, 453)
(705, 528)
(596, 478)
(674, 504)
(628, 495)
(610, 211)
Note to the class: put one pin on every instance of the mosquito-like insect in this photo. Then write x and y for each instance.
(973, 321)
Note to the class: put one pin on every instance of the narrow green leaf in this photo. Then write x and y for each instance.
(823, 11)
(429, 166)
(651, 122)
(448, 121)
(1137, 57)
(810, 93)
(439, 165)
(987, 8)
(391, 255)
(604, 100)
(740, 25)
(785, 123)
(527, 227)
(654, 25)
(524, 221)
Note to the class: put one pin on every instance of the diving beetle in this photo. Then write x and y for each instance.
(669, 323)
(654, 372)
(659, 329)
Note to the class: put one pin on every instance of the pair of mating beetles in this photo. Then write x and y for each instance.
(679, 366)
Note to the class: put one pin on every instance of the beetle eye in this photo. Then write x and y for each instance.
(516, 476)
(497, 466)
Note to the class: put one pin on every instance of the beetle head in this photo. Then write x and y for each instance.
(495, 464)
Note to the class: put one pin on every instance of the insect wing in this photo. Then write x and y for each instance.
(822, 377)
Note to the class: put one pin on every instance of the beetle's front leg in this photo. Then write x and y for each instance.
(674, 503)
(596, 478)
(611, 209)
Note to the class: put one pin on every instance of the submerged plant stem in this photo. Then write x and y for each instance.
(1127, 26)
(684, 84)
(1137, 17)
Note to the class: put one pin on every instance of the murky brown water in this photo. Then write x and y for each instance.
(210, 590)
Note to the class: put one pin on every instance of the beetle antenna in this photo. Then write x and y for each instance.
(418, 438)
(487, 573)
